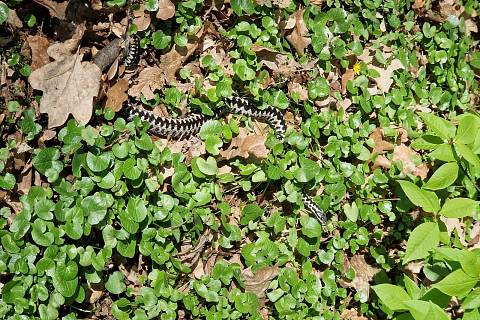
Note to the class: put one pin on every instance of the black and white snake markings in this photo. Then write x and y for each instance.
(189, 125)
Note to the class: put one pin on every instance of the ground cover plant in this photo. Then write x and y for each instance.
(102, 220)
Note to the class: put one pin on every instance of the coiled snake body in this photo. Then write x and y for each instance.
(191, 124)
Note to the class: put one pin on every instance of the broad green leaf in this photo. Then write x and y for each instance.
(65, 279)
(391, 296)
(7, 182)
(459, 208)
(351, 211)
(250, 213)
(208, 167)
(311, 227)
(4, 11)
(428, 201)
(441, 127)
(423, 310)
(467, 153)
(98, 163)
(426, 142)
(457, 284)
(467, 126)
(470, 263)
(472, 301)
(307, 170)
(136, 209)
(423, 239)
(444, 152)
(115, 283)
(241, 6)
(475, 59)
(443, 177)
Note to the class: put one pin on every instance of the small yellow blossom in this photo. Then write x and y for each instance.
(356, 68)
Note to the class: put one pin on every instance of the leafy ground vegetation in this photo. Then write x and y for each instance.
(99, 219)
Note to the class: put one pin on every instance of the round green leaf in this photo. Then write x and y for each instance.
(115, 283)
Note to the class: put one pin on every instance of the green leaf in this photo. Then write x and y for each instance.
(241, 6)
(311, 227)
(466, 153)
(443, 177)
(457, 284)
(4, 11)
(7, 182)
(475, 59)
(136, 209)
(472, 301)
(441, 127)
(428, 201)
(46, 162)
(351, 211)
(243, 71)
(425, 310)
(98, 163)
(391, 296)
(459, 208)
(307, 170)
(423, 239)
(65, 279)
(208, 167)
(467, 125)
(115, 283)
(250, 213)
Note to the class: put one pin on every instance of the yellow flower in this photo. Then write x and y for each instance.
(356, 68)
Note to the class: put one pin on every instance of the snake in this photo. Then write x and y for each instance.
(191, 123)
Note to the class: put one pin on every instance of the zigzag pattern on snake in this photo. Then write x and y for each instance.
(191, 124)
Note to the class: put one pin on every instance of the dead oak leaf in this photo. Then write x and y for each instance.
(363, 275)
(246, 146)
(68, 86)
(348, 75)
(166, 9)
(405, 156)
(38, 45)
(149, 80)
(56, 9)
(141, 18)
(154, 78)
(298, 37)
(259, 281)
(61, 49)
(380, 145)
(385, 81)
(116, 95)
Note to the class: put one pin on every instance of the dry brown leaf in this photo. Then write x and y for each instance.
(349, 75)
(141, 18)
(154, 78)
(246, 145)
(166, 9)
(14, 20)
(68, 86)
(351, 314)
(295, 87)
(380, 145)
(281, 3)
(298, 37)
(363, 274)
(404, 155)
(62, 49)
(56, 9)
(418, 4)
(47, 135)
(25, 182)
(385, 81)
(259, 281)
(149, 80)
(39, 46)
(116, 95)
